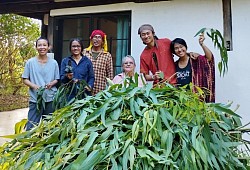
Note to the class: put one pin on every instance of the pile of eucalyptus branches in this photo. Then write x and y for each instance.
(128, 127)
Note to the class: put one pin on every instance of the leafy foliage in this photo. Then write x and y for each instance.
(127, 127)
(65, 90)
(40, 100)
(219, 43)
(17, 37)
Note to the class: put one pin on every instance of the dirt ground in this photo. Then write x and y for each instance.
(12, 102)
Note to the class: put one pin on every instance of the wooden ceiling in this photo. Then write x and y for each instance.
(37, 8)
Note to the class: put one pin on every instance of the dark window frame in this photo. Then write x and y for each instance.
(58, 31)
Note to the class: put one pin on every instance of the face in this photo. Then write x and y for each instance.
(147, 36)
(42, 47)
(128, 65)
(97, 40)
(180, 50)
(76, 48)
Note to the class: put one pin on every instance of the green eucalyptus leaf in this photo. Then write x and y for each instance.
(132, 128)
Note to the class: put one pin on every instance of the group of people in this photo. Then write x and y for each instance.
(94, 65)
(157, 58)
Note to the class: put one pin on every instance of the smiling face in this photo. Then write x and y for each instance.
(76, 48)
(147, 37)
(42, 47)
(128, 65)
(97, 40)
(180, 50)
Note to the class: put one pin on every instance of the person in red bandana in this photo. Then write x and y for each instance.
(102, 61)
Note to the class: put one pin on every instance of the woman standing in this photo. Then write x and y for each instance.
(82, 68)
(128, 67)
(40, 72)
(200, 72)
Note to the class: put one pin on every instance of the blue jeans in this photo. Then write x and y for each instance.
(34, 117)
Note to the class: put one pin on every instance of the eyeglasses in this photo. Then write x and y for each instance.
(75, 46)
(97, 37)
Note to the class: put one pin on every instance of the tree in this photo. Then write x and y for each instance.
(17, 37)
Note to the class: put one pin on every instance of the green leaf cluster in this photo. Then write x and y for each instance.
(40, 104)
(219, 43)
(61, 96)
(128, 127)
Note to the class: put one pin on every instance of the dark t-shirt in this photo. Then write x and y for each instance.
(184, 75)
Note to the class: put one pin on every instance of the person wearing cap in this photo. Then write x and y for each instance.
(156, 56)
(102, 61)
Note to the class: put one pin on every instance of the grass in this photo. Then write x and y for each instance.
(11, 102)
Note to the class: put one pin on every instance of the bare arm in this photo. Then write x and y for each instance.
(208, 53)
(30, 84)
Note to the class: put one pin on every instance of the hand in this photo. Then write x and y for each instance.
(194, 55)
(49, 85)
(69, 75)
(159, 75)
(201, 38)
(35, 87)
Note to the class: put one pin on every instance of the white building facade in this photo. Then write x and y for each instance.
(184, 18)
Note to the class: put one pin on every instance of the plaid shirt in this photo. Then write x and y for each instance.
(103, 68)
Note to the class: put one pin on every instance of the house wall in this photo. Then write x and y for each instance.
(182, 18)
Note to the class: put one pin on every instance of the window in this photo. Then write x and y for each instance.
(115, 25)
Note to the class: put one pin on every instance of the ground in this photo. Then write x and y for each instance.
(11, 102)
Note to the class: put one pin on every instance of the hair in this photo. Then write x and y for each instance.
(146, 27)
(124, 58)
(42, 38)
(178, 41)
(75, 39)
(128, 56)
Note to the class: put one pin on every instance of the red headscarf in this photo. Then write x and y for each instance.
(104, 37)
(97, 32)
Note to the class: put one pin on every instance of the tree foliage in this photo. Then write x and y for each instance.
(17, 37)
(127, 127)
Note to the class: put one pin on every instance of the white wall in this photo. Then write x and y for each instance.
(182, 18)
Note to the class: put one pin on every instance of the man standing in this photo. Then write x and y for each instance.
(101, 59)
(156, 57)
